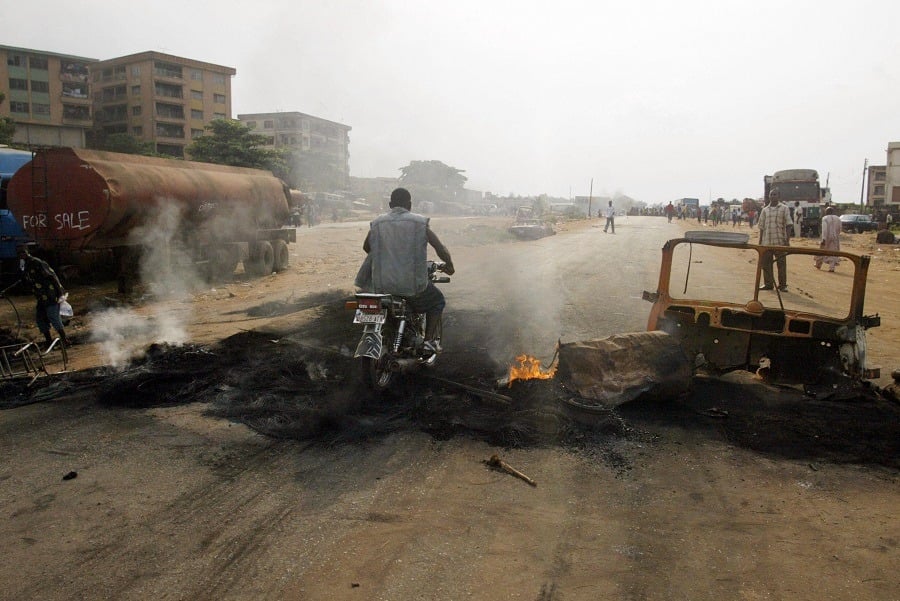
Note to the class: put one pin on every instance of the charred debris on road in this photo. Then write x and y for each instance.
(301, 386)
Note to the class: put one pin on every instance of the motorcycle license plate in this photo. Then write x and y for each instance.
(368, 317)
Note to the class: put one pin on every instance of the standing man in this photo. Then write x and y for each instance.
(46, 288)
(773, 222)
(797, 217)
(670, 210)
(831, 239)
(397, 263)
(610, 218)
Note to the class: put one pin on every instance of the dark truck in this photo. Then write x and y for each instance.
(800, 186)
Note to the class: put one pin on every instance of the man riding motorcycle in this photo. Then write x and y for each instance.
(396, 263)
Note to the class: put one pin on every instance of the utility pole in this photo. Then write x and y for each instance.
(862, 190)
(590, 198)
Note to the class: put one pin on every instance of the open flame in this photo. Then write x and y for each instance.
(529, 368)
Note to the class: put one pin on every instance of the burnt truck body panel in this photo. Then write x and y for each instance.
(795, 337)
(75, 199)
(74, 202)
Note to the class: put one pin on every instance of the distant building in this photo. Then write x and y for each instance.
(320, 148)
(48, 96)
(376, 191)
(160, 98)
(876, 183)
(892, 176)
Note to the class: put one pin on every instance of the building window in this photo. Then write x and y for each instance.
(135, 90)
(251, 124)
(171, 150)
(196, 75)
(169, 130)
(78, 113)
(18, 107)
(268, 124)
(137, 130)
(74, 90)
(118, 112)
(196, 133)
(219, 116)
(879, 176)
(197, 94)
(167, 70)
(38, 62)
(169, 90)
(73, 71)
(113, 93)
(170, 111)
(40, 86)
(136, 110)
(15, 60)
(219, 98)
(40, 109)
(18, 84)
(196, 114)
(135, 70)
(879, 190)
(218, 78)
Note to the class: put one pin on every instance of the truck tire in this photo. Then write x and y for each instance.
(222, 263)
(282, 255)
(262, 259)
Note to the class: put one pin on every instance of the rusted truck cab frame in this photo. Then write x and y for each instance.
(788, 346)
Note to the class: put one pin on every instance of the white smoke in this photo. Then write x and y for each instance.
(168, 272)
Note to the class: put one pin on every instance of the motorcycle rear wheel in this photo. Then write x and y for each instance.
(375, 375)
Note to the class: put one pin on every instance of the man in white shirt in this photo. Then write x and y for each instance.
(610, 218)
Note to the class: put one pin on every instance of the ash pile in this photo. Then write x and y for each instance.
(285, 389)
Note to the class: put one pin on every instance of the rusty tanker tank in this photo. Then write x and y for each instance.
(75, 201)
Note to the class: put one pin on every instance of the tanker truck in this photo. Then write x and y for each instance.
(78, 205)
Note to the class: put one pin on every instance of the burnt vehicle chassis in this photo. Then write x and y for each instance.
(787, 345)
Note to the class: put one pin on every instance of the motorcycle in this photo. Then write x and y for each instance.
(393, 340)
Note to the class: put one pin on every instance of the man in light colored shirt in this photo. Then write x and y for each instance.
(610, 218)
(773, 222)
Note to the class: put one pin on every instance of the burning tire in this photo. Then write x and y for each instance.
(282, 255)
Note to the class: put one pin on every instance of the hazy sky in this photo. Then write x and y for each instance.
(656, 100)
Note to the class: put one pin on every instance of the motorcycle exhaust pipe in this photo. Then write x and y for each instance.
(402, 365)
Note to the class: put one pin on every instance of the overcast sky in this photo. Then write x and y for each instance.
(656, 100)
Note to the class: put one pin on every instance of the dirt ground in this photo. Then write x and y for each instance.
(245, 463)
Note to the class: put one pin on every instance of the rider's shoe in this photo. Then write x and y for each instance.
(431, 347)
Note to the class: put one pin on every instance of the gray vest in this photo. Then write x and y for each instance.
(399, 252)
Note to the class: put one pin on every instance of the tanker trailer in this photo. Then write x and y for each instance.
(72, 201)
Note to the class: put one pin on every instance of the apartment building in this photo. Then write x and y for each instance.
(877, 180)
(892, 177)
(160, 98)
(47, 96)
(320, 148)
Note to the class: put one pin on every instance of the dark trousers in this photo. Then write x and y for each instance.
(46, 316)
(610, 222)
(768, 276)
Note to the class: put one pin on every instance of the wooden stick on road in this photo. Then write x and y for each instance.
(496, 462)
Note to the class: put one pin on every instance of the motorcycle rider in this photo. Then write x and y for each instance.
(396, 262)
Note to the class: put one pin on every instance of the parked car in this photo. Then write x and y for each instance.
(858, 223)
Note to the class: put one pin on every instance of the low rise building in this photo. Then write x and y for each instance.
(48, 96)
(320, 148)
